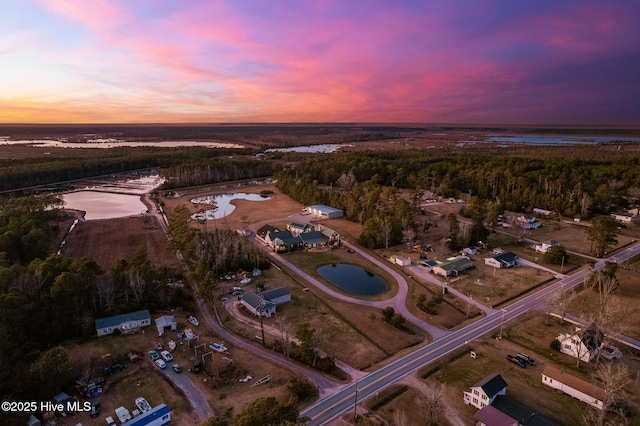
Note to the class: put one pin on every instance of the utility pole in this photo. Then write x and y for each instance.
(562, 265)
(261, 325)
(469, 304)
(502, 323)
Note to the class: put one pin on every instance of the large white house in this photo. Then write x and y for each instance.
(485, 391)
(574, 386)
(586, 344)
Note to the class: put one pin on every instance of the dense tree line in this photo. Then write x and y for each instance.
(47, 299)
(200, 172)
(583, 183)
(24, 173)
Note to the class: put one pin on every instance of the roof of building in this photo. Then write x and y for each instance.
(150, 416)
(456, 264)
(507, 256)
(255, 301)
(572, 381)
(523, 414)
(286, 237)
(325, 209)
(300, 225)
(266, 229)
(399, 257)
(490, 415)
(165, 320)
(313, 237)
(491, 384)
(122, 318)
(275, 293)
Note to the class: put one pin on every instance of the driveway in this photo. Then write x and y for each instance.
(193, 393)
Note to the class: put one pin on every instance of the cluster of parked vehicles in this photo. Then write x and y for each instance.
(521, 359)
(163, 358)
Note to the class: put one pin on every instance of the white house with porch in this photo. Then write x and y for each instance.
(126, 323)
(485, 391)
(543, 247)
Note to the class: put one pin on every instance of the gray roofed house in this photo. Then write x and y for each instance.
(126, 323)
(452, 267)
(523, 414)
(277, 296)
(485, 391)
(256, 304)
(505, 259)
(298, 228)
(313, 239)
(283, 240)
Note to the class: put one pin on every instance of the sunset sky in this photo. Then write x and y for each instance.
(421, 61)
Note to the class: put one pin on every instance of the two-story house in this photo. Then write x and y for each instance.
(485, 391)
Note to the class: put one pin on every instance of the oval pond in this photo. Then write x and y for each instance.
(353, 279)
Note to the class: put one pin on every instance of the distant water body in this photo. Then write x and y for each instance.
(557, 140)
(112, 143)
(322, 148)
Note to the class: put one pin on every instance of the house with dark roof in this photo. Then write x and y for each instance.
(485, 391)
(505, 259)
(298, 228)
(277, 296)
(452, 267)
(263, 232)
(524, 415)
(574, 386)
(313, 239)
(257, 305)
(126, 323)
(281, 241)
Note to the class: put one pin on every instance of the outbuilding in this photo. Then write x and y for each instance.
(166, 323)
(506, 259)
(400, 260)
(325, 212)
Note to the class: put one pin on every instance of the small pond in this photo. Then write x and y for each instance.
(104, 205)
(222, 204)
(353, 279)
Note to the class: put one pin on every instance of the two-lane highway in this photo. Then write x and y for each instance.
(328, 408)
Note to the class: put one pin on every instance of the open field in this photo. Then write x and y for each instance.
(109, 240)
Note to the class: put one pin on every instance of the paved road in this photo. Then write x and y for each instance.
(193, 393)
(328, 408)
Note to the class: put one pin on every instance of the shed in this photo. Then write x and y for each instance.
(166, 323)
(325, 212)
(400, 260)
(126, 323)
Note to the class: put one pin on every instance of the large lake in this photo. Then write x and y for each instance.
(321, 148)
(222, 203)
(353, 279)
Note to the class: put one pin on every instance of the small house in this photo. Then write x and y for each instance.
(542, 248)
(452, 267)
(574, 386)
(505, 259)
(528, 222)
(277, 296)
(623, 216)
(485, 391)
(166, 323)
(257, 305)
(126, 323)
(400, 260)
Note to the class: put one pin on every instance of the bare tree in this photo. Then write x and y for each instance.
(432, 407)
(556, 302)
(137, 284)
(385, 227)
(281, 321)
(606, 285)
(612, 378)
(517, 228)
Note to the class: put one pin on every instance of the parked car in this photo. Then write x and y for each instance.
(193, 320)
(245, 379)
(160, 363)
(166, 356)
(133, 356)
(516, 361)
(115, 367)
(177, 368)
(530, 360)
(154, 355)
(197, 367)
(109, 421)
(95, 409)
